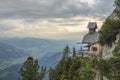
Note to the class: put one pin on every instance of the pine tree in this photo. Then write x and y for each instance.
(72, 68)
(30, 68)
(74, 52)
(51, 74)
(66, 51)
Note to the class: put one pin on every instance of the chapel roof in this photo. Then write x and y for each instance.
(92, 25)
(91, 38)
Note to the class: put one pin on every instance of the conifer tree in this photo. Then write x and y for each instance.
(72, 68)
(74, 52)
(30, 68)
(51, 74)
(66, 51)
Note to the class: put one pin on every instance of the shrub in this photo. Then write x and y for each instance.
(109, 31)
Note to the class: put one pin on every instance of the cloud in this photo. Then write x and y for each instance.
(51, 18)
(6, 27)
(33, 9)
(47, 28)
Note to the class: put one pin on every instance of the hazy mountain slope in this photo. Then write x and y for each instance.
(11, 73)
(8, 51)
(45, 50)
(50, 60)
(37, 47)
(10, 55)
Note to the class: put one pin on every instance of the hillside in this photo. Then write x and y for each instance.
(110, 32)
(8, 51)
(37, 47)
(13, 52)
(10, 55)
(48, 61)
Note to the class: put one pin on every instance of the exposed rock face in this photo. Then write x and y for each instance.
(107, 50)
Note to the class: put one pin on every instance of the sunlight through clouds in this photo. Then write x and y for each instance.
(51, 28)
(49, 19)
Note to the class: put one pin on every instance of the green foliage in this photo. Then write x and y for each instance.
(117, 50)
(51, 72)
(86, 68)
(103, 67)
(110, 27)
(114, 64)
(114, 70)
(109, 68)
(109, 31)
(66, 51)
(85, 72)
(117, 10)
(74, 52)
(72, 68)
(30, 68)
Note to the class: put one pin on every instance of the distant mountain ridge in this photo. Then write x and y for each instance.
(14, 51)
(35, 46)
(11, 73)
(10, 55)
(8, 51)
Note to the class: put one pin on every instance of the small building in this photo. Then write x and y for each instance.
(92, 39)
(95, 49)
(92, 36)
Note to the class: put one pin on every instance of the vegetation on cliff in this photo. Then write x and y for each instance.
(111, 27)
(109, 31)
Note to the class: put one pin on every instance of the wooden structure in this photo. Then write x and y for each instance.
(95, 49)
(92, 38)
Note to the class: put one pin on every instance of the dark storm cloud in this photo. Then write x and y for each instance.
(35, 9)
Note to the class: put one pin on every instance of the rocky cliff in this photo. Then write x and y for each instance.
(108, 50)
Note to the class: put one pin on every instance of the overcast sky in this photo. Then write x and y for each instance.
(51, 19)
